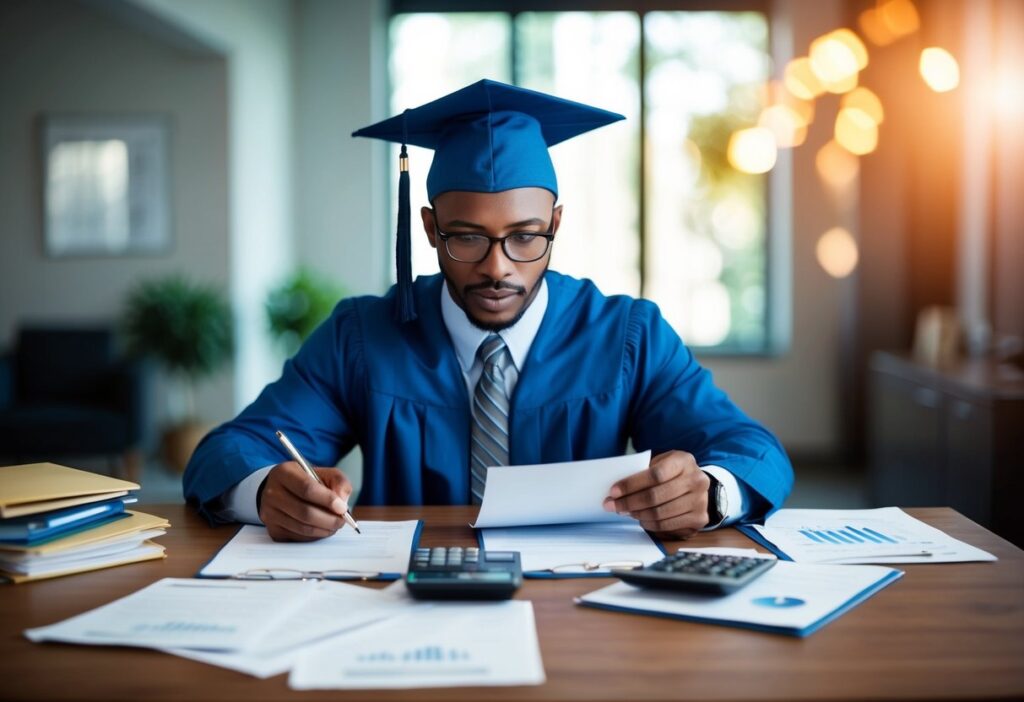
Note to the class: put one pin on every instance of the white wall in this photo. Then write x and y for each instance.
(256, 36)
(341, 210)
(60, 56)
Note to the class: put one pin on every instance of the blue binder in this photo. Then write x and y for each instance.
(33, 529)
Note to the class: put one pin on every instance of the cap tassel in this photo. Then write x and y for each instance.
(405, 304)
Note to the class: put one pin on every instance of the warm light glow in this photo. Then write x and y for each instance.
(842, 86)
(870, 22)
(899, 17)
(753, 150)
(850, 40)
(775, 92)
(837, 166)
(866, 101)
(837, 252)
(1008, 93)
(856, 131)
(832, 60)
(785, 123)
(939, 69)
(800, 80)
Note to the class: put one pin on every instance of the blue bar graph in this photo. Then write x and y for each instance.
(810, 535)
(847, 536)
(867, 536)
(881, 536)
(424, 654)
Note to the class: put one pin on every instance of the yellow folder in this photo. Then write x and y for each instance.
(135, 522)
(41, 487)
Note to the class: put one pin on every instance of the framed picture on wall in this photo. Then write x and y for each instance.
(106, 185)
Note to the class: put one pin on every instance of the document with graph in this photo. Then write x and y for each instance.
(883, 535)
(445, 645)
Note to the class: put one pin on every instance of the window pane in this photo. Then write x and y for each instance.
(706, 264)
(591, 57)
(433, 54)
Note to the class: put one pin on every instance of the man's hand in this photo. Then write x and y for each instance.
(297, 508)
(669, 498)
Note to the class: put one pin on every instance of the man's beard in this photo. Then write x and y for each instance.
(494, 285)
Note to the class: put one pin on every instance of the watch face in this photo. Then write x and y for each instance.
(717, 503)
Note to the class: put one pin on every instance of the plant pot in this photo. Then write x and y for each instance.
(179, 441)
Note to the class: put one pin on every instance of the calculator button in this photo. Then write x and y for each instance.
(501, 556)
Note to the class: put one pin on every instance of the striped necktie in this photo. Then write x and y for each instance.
(489, 444)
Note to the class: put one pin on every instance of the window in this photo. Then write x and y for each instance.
(655, 211)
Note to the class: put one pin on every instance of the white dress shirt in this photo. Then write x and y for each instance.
(240, 501)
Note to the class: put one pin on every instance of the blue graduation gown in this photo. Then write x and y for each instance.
(601, 370)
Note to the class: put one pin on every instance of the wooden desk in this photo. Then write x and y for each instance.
(943, 631)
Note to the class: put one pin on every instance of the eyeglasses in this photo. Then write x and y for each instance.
(289, 574)
(590, 566)
(521, 247)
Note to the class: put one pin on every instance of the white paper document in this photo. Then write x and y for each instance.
(383, 547)
(184, 613)
(329, 610)
(34, 564)
(555, 493)
(583, 546)
(791, 598)
(883, 535)
(439, 645)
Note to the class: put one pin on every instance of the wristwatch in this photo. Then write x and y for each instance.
(718, 503)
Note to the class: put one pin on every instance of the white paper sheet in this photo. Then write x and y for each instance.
(444, 645)
(883, 535)
(185, 613)
(791, 596)
(383, 547)
(31, 563)
(332, 609)
(555, 493)
(545, 547)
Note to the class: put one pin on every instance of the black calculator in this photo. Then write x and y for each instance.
(457, 573)
(688, 571)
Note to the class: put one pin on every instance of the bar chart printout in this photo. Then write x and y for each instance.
(884, 535)
(848, 535)
(439, 645)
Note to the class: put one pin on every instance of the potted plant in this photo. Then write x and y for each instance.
(297, 306)
(187, 328)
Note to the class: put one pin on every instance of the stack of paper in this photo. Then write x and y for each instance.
(330, 635)
(552, 514)
(57, 521)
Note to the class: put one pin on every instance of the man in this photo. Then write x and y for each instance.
(496, 361)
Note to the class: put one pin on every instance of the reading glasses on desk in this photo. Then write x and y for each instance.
(289, 574)
(590, 566)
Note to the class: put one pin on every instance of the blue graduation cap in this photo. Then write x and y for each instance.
(487, 137)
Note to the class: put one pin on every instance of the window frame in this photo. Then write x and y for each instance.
(778, 191)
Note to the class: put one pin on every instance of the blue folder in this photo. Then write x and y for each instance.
(33, 529)
(755, 536)
(832, 615)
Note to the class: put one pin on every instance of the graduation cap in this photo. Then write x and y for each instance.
(487, 137)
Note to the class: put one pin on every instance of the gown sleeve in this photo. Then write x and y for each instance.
(676, 406)
(311, 402)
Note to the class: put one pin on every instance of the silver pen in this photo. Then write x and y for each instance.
(312, 473)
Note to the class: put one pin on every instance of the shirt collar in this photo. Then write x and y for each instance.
(467, 338)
